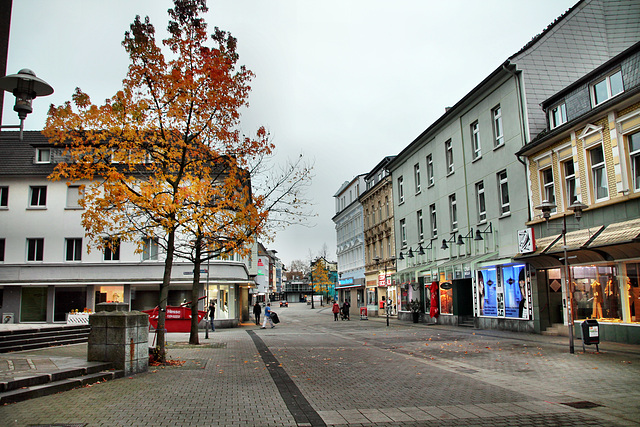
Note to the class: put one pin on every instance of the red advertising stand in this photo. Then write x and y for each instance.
(178, 319)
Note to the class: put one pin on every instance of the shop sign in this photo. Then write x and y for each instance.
(526, 241)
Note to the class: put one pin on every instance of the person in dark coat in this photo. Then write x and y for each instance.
(212, 314)
(256, 312)
(345, 309)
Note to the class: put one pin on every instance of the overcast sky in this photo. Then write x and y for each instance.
(344, 82)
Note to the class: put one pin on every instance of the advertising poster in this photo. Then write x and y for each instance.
(515, 291)
(488, 294)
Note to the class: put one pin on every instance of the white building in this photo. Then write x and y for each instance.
(350, 241)
(46, 269)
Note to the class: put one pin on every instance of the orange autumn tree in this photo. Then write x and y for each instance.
(163, 157)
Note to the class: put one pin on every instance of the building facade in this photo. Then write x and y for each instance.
(588, 266)
(377, 202)
(458, 187)
(350, 241)
(47, 270)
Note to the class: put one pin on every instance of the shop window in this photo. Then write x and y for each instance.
(487, 292)
(110, 294)
(632, 290)
(596, 293)
(33, 304)
(66, 300)
(446, 299)
(515, 291)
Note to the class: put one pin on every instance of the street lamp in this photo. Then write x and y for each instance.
(25, 86)
(546, 207)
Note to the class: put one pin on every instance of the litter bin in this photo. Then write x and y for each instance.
(590, 333)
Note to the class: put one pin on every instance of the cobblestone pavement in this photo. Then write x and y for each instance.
(310, 370)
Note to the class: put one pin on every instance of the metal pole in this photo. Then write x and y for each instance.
(567, 283)
(386, 283)
(312, 292)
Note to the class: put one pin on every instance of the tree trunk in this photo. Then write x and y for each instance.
(164, 295)
(195, 287)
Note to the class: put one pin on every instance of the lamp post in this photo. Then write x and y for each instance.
(546, 207)
(312, 290)
(25, 86)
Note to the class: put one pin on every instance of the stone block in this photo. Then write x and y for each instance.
(112, 307)
(97, 353)
(97, 335)
(98, 320)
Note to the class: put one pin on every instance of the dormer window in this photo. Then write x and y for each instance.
(557, 115)
(43, 155)
(606, 88)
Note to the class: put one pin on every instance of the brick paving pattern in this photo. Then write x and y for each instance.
(350, 373)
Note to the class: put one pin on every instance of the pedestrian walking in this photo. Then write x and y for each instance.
(212, 314)
(335, 310)
(345, 309)
(256, 312)
(267, 317)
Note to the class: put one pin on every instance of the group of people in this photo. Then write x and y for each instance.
(344, 310)
(257, 310)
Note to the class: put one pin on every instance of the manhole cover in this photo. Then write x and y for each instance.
(582, 404)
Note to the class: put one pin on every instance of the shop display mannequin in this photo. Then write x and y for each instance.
(596, 290)
(611, 293)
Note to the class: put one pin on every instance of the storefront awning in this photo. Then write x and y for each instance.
(620, 240)
(603, 243)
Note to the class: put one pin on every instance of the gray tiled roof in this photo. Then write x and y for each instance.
(17, 157)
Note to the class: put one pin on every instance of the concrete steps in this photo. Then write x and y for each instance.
(43, 384)
(42, 337)
(557, 329)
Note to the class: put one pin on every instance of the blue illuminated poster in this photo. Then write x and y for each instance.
(514, 290)
(487, 288)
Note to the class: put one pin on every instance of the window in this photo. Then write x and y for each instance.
(569, 182)
(498, 136)
(598, 173)
(2, 247)
(503, 192)
(149, 249)
(548, 191)
(448, 147)
(475, 140)
(112, 251)
(38, 196)
(386, 202)
(416, 176)
(4, 197)
(74, 194)
(43, 155)
(430, 170)
(403, 233)
(379, 211)
(420, 226)
(557, 115)
(366, 217)
(73, 249)
(400, 191)
(453, 212)
(35, 249)
(434, 222)
(634, 153)
(480, 202)
(607, 88)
